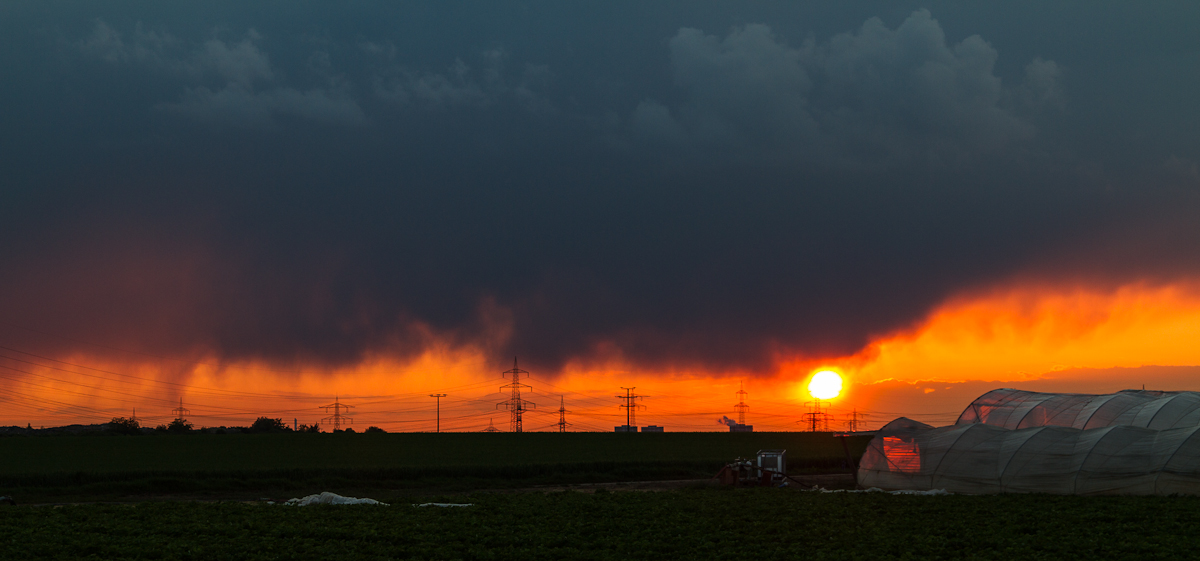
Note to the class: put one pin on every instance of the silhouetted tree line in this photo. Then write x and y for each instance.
(121, 425)
(130, 426)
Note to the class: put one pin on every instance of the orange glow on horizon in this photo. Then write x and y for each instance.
(1006, 337)
(1027, 332)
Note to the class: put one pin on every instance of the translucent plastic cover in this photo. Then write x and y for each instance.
(1017, 409)
(1011, 441)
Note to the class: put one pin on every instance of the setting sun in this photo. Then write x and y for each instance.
(825, 384)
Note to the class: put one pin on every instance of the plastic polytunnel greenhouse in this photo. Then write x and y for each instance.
(1011, 441)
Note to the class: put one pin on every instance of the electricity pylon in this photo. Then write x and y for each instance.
(562, 415)
(180, 412)
(853, 421)
(817, 418)
(741, 407)
(337, 418)
(515, 405)
(629, 406)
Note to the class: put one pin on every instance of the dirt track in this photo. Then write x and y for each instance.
(828, 481)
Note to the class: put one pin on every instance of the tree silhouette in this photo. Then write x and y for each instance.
(267, 424)
(121, 425)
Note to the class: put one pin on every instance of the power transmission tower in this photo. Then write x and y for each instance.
(741, 407)
(180, 412)
(134, 417)
(491, 427)
(338, 419)
(562, 415)
(439, 397)
(852, 422)
(515, 405)
(630, 407)
(817, 418)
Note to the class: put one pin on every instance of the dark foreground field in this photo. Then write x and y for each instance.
(132, 468)
(760, 523)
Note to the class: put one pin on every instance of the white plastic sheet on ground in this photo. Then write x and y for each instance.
(923, 493)
(328, 498)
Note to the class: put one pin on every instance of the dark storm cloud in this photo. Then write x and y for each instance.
(712, 188)
(245, 91)
(873, 95)
(460, 84)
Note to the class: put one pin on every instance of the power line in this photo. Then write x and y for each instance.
(108, 387)
(130, 376)
(191, 389)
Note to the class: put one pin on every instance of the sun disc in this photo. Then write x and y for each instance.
(825, 384)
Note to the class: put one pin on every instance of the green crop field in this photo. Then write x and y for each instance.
(761, 523)
(250, 466)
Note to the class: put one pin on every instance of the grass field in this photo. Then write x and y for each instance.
(761, 523)
(249, 466)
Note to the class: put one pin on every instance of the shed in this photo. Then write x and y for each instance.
(773, 462)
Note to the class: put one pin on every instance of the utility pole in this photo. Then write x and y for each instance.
(562, 415)
(180, 412)
(515, 404)
(629, 406)
(741, 407)
(439, 397)
(337, 418)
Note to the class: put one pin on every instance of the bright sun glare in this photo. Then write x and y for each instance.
(825, 384)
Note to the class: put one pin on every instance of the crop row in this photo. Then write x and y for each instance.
(693, 524)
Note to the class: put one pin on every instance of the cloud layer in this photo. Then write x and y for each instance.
(872, 96)
(724, 192)
(244, 93)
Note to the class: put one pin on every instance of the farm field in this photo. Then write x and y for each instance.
(38, 469)
(721, 523)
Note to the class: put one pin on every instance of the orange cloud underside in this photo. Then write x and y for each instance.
(1009, 336)
(1018, 333)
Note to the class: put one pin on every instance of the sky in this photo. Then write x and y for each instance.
(256, 208)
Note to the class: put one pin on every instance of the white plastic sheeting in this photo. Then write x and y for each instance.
(924, 493)
(978, 458)
(328, 498)
(1017, 409)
